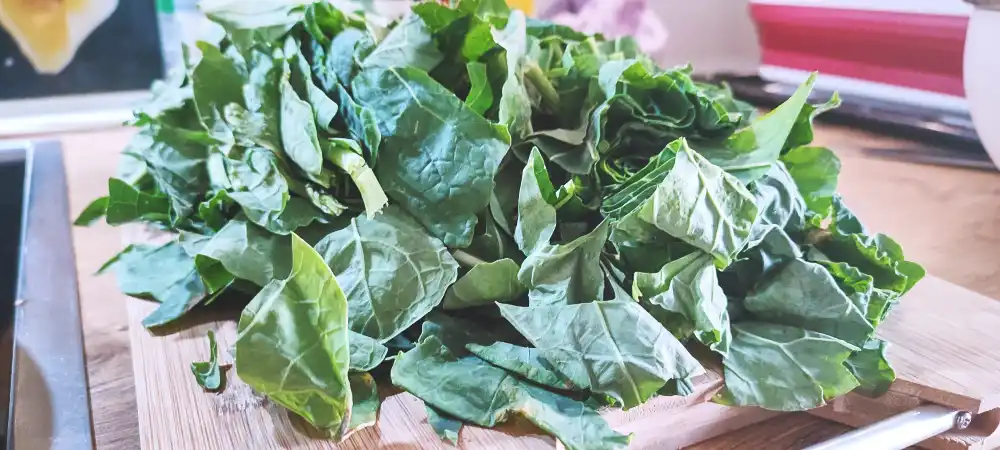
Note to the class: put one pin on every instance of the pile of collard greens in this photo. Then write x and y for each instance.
(499, 215)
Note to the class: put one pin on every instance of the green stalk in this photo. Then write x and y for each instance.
(341, 153)
(466, 260)
(538, 79)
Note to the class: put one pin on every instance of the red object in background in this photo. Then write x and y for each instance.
(913, 50)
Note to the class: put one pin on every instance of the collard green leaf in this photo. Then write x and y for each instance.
(779, 203)
(166, 274)
(872, 370)
(364, 394)
(480, 97)
(409, 44)
(366, 353)
(804, 294)
(439, 157)
(484, 284)
(125, 204)
(176, 161)
(613, 348)
(785, 368)
(216, 82)
(470, 389)
(361, 123)
(536, 215)
(92, 213)
(515, 105)
(523, 361)
(703, 206)
(293, 343)
(446, 427)
(298, 130)
(566, 273)
(802, 132)
(878, 256)
(248, 252)
(392, 272)
(815, 171)
(750, 152)
(324, 109)
(207, 373)
(688, 288)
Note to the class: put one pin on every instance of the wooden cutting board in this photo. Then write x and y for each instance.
(943, 351)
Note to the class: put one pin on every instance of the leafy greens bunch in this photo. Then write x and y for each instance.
(499, 215)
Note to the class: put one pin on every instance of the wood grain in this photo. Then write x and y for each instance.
(944, 217)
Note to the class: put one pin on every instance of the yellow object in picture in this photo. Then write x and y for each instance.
(528, 6)
(50, 31)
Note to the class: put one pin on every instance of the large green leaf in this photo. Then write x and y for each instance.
(750, 152)
(815, 171)
(409, 44)
(439, 156)
(785, 368)
(293, 343)
(804, 294)
(125, 204)
(688, 288)
(872, 369)
(484, 284)
(524, 361)
(298, 130)
(612, 348)
(392, 272)
(703, 206)
(216, 82)
(166, 274)
(486, 395)
(247, 252)
(536, 216)
(566, 273)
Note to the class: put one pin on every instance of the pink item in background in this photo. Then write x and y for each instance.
(612, 18)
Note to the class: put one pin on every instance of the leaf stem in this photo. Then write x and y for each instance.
(339, 152)
(467, 259)
(537, 78)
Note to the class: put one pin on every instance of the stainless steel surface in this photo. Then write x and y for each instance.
(900, 431)
(988, 4)
(936, 157)
(51, 403)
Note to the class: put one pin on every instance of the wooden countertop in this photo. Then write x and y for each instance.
(945, 218)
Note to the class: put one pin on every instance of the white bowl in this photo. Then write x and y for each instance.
(982, 74)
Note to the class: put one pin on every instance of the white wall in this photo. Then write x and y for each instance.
(730, 46)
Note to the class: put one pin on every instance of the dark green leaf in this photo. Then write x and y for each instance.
(439, 157)
(409, 44)
(486, 395)
(486, 283)
(126, 204)
(703, 206)
(166, 274)
(446, 427)
(366, 353)
(804, 294)
(392, 272)
(614, 348)
(536, 215)
(480, 97)
(207, 373)
(523, 361)
(871, 369)
(688, 288)
(567, 273)
(92, 213)
(815, 171)
(785, 368)
(750, 152)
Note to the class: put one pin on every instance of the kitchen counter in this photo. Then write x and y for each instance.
(945, 218)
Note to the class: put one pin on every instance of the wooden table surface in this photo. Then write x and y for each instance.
(945, 218)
